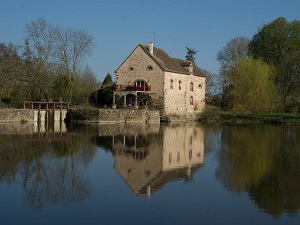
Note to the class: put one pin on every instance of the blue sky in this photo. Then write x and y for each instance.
(118, 26)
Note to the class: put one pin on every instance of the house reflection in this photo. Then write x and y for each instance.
(148, 162)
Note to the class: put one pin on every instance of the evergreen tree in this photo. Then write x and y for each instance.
(190, 55)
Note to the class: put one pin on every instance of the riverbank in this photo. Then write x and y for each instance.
(218, 116)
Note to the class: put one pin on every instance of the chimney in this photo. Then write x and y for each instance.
(191, 68)
(151, 48)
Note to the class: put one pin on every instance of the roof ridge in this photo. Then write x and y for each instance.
(168, 63)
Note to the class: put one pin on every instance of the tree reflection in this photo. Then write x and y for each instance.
(50, 172)
(264, 161)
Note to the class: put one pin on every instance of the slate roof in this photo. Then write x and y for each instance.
(160, 180)
(171, 64)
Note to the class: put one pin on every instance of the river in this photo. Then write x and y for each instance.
(149, 174)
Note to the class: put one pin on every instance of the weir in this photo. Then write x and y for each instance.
(48, 112)
(36, 112)
(50, 116)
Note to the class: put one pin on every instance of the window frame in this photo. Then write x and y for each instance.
(191, 100)
(191, 86)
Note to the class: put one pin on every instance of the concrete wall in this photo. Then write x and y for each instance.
(113, 116)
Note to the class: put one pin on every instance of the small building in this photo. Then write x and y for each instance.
(150, 78)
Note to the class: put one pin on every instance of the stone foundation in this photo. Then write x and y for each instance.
(29, 115)
(16, 115)
(113, 116)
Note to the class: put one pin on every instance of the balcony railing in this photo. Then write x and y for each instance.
(131, 88)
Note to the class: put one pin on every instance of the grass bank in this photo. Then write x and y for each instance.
(214, 115)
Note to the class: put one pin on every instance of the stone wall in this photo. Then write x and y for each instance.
(113, 116)
(136, 67)
(178, 100)
(16, 115)
(28, 115)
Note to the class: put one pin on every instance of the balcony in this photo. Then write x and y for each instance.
(134, 87)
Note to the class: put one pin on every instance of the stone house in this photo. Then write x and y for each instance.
(149, 77)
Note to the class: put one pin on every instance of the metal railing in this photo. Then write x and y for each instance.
(46, 105)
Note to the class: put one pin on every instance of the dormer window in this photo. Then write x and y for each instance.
(149, 68)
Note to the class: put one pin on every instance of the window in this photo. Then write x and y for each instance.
(149, 68)
(171, 84)
(178, 156)
(191, 100)
(170, 157)
(200, 86)
(131, 68)
(191, 86)
(179, 85)
(140, 83)
(190, 154)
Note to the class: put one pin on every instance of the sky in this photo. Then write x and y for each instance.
(118, 26)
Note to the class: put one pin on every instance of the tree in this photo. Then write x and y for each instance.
(89, 84)
(252, 86)
(107, 82)
(11, 74)
(59, 50)
(234, 50)
(60, 88)
(275, 40)
(277, 43)
(105, 94)
(40, 41)
(71, 47)
(289, 87)
(190, 55)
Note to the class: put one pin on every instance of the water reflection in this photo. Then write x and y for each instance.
(46, 162)
(148, 162)
(263, 161)
(50, 162)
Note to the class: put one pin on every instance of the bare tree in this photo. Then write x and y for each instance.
(55, 49)
(71, 47)
(40, 42)
(234, 50)
(89, 84)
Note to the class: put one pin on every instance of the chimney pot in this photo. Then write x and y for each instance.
(191, 68)
(151, 48)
